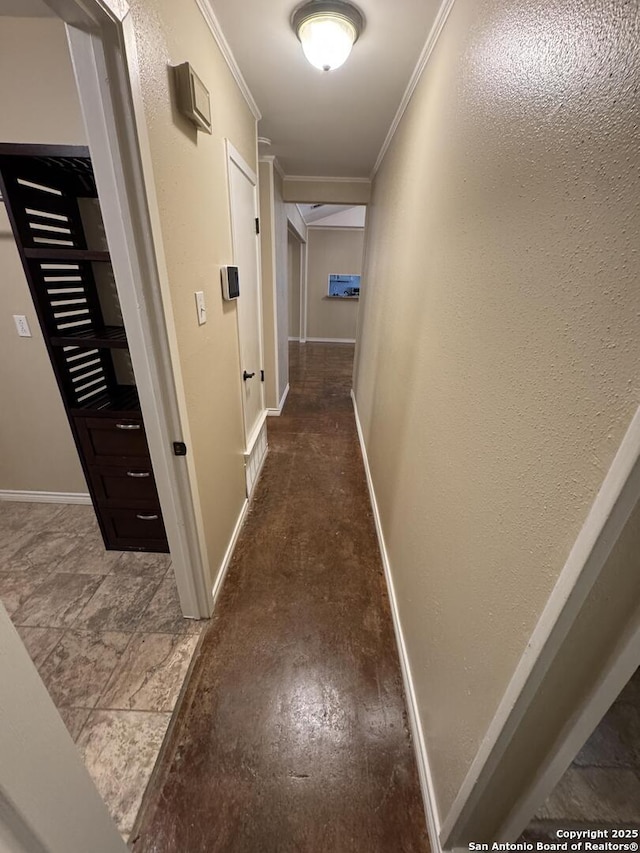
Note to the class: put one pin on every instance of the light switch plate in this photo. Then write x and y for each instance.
(22, 325)
(201, 307)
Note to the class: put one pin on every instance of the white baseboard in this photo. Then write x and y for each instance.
(275, 413)
(235, 536)
(422, 758)
(46, 497)
(294, 339)
(217, 586)
(331, 340)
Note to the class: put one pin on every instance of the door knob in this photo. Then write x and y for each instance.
(246, 375)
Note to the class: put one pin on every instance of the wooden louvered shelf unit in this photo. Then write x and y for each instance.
(69, 255)
(104, 336)
(53, 207)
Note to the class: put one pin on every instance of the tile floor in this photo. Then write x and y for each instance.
(602, 785)
(105, 631)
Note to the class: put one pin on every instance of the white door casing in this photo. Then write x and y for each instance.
(244, 212)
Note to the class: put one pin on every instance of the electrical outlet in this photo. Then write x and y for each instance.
(22, 325)
(201, 308)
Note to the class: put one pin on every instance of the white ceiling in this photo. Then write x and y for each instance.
(326, 123)
(25, 9)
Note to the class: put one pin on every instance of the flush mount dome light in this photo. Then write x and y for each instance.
(327, 29)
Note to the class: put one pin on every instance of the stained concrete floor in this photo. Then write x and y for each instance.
(292, 734)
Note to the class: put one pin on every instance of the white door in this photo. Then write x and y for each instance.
(244, 211)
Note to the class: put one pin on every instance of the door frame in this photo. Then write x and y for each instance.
(302, 239)
(293, 234)
(234, 156)
(103, 51)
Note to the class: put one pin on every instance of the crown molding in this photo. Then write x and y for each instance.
(427, 50)
(216, 31)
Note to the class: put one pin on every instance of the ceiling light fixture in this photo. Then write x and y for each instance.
(327, 29)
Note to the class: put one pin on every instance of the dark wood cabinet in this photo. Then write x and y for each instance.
(53, 207)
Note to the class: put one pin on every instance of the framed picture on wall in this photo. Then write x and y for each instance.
(345, 286)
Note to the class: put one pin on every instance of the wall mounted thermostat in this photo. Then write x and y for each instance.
(230, 283)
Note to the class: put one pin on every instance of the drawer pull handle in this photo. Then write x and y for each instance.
(128, 426)
(147, 517)
(138, 474)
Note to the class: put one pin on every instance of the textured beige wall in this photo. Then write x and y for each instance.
(293, 282)
(38, 452)
(610, 618)
(499, 350)
(328, 192)
(190, 174)
(332, 250)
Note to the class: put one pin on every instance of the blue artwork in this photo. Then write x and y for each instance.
(344, 285)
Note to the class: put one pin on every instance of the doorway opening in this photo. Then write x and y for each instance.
(296, 269)
(85, 570)
(332, 285)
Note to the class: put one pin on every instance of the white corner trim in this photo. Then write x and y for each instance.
(330, 340)
(422, 758)
(216, 31)
(610, 511)
(271, 158)
(427, 50)
(46, 497)
(283, 399)
(226, 561)
(318, 179)
(277, 412)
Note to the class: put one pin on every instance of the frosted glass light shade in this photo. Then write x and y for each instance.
(327, 40)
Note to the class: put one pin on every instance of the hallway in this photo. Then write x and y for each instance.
(292, 734)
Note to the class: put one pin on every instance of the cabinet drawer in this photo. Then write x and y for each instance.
(124, 485)
(113, 441)
(135, 529)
